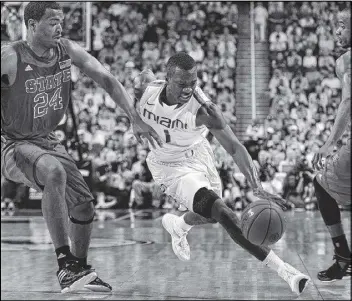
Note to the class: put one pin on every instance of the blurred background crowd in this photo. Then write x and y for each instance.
(128, 37)
(304, 95)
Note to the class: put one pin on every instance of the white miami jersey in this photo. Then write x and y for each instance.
(176, 124)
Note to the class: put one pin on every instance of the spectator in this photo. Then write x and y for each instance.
(326, 42)
(326, 61)
(299, 83)
(278, 81)
(276, 13)
(196, 51)
(278, 39)
(332, 82)
(260, 20)
(309, 61)
(255, 130)
(294, 62)
(279, 62)
(289, 163)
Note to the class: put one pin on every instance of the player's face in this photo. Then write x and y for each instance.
(48, 30)
(182, 84)
(343, 32)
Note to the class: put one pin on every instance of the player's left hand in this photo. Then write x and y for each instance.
(323, 152)
(261, 193)
(140, 128)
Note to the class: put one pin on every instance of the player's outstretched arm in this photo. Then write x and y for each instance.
(342, 119)
(95, 70)
(210, 115)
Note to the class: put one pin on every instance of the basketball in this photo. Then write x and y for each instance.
(263, 223)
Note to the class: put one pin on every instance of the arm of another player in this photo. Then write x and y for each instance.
(8, 66)
(8, 73)
(210, 115)
(342, 119)
(95, 70)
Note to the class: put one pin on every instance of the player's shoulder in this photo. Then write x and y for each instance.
(67, 44)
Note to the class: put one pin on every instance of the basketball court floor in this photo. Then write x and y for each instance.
(132, 252)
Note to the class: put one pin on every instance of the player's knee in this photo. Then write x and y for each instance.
(203, 202)
(323, 197)
(82, 214)
(55, 174)
(319, 190)
(220, 211)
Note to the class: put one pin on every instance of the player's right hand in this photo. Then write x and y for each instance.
(262, 194)
(140, 128)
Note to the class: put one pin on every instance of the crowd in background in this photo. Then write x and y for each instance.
(304, 92)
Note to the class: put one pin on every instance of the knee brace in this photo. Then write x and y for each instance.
(83, 210)
(203, 202)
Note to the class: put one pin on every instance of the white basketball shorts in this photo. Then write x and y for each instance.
(182, 179)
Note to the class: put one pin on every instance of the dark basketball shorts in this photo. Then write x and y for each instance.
(18, 164)
(335, 178)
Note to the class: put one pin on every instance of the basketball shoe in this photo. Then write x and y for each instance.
(72, 277)
(296, 280)
(179, 241)
(97, 285)
(341, 269)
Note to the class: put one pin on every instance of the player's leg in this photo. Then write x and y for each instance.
(330, 212)
(178, 227)
(81, 215)
(36, 168)
(208, 204)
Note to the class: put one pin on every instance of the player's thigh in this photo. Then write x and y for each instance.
(335, 178)
(28, 164)
(77, 190)
(184, 188)
(342, 166)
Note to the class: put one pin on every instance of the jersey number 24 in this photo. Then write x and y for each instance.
(42, 103)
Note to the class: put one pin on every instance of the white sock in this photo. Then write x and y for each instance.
(182, 224)
(273, 261)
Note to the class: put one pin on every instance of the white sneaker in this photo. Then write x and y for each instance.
(180, 245)
(296, 280)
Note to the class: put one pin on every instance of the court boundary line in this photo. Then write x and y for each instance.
(312, 279)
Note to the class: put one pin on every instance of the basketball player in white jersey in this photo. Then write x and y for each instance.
(333, 181)
(184, 166)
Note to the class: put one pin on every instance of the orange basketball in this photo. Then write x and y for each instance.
(263, 223)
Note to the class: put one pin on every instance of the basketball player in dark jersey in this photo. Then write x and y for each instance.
(333, 181)
(35, 91)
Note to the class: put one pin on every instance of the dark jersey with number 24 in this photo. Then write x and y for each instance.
(34, 105)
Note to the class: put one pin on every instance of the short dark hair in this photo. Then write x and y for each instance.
(36, 10)
(181, 60)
